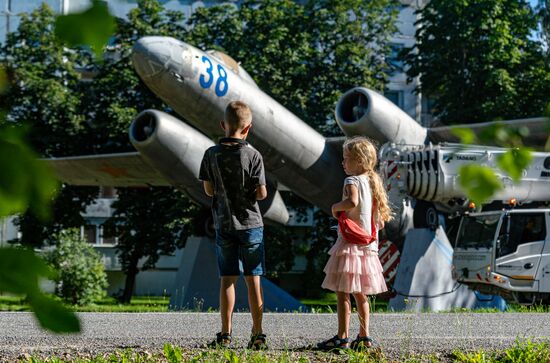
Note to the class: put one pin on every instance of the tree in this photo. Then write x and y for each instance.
(115, 97)
(46, 97)
(150, 222)
(543, 12)
(494, 70)
(476, 60)
(28, 184)
(81, 277)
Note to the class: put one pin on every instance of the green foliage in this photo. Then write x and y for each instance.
(527, 352)
(81, 276)
(92, 27)
(20, 271)
(4, 84)
(46, 97)
(524, 351)
(543, 13)
(30, 183)
(472, 357)
(515, 161)
(479, 182)
(172, 353)
(494, 68)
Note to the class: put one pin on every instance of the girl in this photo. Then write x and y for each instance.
(355, 269)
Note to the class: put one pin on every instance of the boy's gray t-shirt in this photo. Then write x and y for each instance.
(235, 171)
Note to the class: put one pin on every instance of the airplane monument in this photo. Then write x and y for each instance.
(198, 85)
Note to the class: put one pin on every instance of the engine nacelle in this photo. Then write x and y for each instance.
(364, 112)
(176, 149)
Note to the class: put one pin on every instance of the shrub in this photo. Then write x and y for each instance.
(81, 276)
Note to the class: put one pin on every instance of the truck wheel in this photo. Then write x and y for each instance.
(425, 215)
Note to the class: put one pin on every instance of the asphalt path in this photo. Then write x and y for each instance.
(398, 335)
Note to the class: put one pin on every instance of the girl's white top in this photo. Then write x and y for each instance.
(362, 212)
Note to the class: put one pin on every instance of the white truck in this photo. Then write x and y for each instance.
(502, 251)
(505, 253)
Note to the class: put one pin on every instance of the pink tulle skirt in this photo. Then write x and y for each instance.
(353, 268)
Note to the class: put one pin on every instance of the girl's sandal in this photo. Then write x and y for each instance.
(333, 343)
(257, 342)
(361, 343)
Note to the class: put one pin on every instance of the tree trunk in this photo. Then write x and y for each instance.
(130, 281)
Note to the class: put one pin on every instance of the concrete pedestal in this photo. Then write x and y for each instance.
(196, 286)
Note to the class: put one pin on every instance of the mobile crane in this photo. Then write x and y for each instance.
(503, 251)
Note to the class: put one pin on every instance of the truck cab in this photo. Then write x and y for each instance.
(505, 252)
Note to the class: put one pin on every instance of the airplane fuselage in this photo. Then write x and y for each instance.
(198, 86)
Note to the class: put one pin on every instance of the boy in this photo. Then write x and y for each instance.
(233, 175)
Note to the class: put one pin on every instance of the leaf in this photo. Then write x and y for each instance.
(515, 161)
(465, 134)
(52, 315)
(18, 280)
(92, 27)
(479, 182)
(26, 182)
(20, 272)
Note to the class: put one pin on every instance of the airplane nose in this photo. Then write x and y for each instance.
(150, 55)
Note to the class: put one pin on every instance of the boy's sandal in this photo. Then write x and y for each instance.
(223, 340)
(257, 342)
(333, 343)
(362, 343)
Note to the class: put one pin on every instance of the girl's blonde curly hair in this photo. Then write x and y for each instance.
(363, 151)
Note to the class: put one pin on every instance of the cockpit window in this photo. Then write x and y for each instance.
(225, 59)
(232, 64)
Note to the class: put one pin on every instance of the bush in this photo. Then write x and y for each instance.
(81, 276)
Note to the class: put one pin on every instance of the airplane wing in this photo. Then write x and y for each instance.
(538, 130)
(117, 170)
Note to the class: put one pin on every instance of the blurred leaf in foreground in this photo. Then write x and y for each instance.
(26, 182)
(465, 135)
(92, 27)
(24, 281)
(515, 161)
(479, 182)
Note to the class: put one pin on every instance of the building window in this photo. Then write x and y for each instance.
(89, 233)
(395, 96)
(109, 234)
(393, 58)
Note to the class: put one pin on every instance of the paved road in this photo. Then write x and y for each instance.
(398, 335)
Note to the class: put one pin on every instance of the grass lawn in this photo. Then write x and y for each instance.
(327, 304)
(139, 304)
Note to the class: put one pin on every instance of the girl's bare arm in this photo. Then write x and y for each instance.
(350, 201)
(261, 192)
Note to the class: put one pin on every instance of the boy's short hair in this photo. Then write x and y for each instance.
(237, 115)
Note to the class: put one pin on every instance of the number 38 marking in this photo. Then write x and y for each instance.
(206, 81)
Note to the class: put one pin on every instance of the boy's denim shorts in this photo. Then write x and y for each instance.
(241, 252)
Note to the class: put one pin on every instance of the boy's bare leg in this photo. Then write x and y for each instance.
(227, 301)
(362, 303)
(343, 308)
(255, 302)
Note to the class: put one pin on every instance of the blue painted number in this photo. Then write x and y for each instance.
(221, 83)
(202, 79)
(206, 81)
